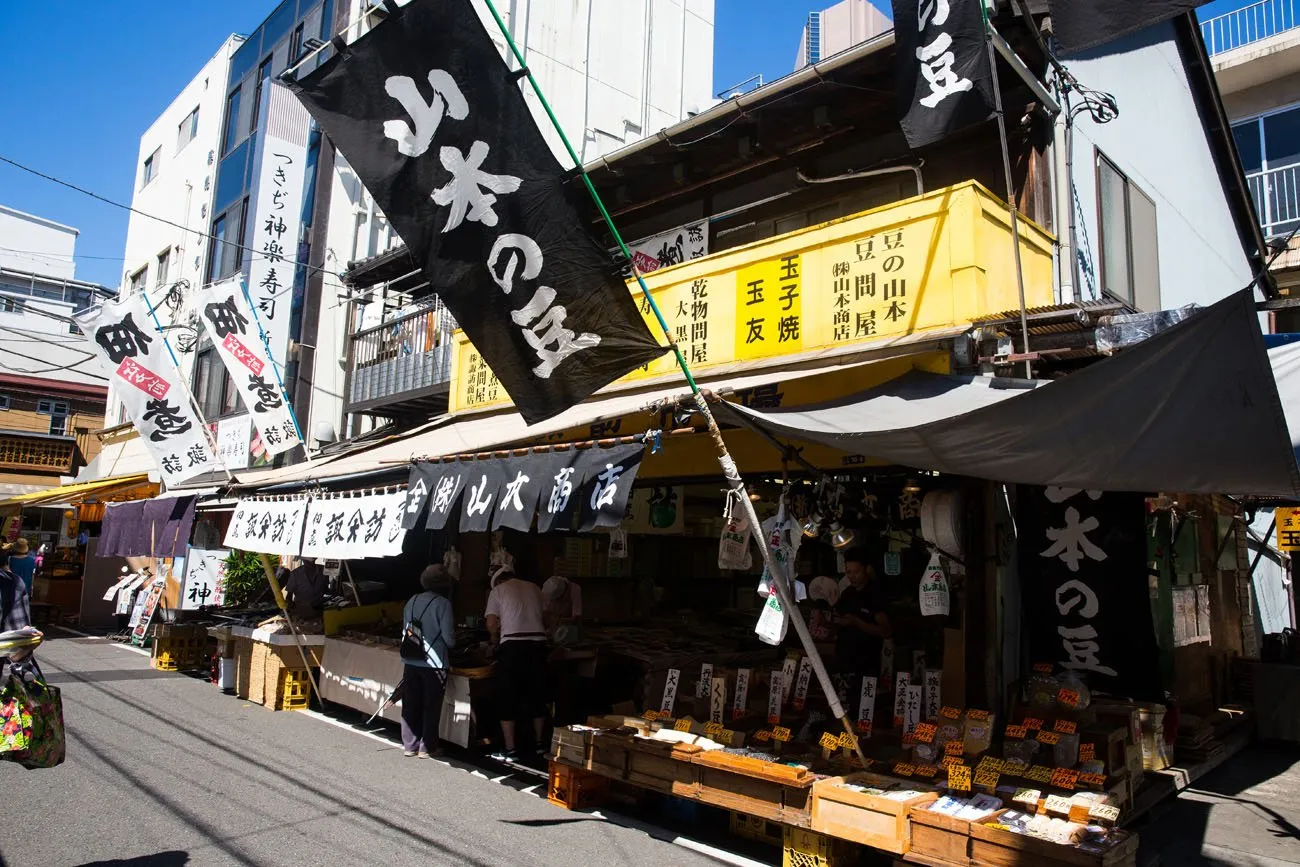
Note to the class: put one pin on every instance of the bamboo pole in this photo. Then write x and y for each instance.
(729, 470)
(284, 609)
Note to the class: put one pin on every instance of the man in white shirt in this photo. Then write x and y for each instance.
(517, 627)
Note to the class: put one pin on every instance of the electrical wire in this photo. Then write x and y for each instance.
(43, 255)
(55, 369)
(133, 210)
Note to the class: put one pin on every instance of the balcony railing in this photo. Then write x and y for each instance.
(1249, 24)
(403, 360)
(1277, 198)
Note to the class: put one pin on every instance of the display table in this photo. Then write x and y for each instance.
(360, 676)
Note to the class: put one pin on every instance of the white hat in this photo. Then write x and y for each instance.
(499, 574)
(554, 587)
(824, 589)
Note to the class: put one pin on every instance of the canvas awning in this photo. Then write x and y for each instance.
(100, 489)
(1192, 409)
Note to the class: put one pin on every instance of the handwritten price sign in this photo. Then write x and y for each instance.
(949, 712)
(1017, 732)
(954, 748)
(987, 779)
(1039, 774)
(959, 778)
(1049, 738)
(682, 725)
(762, 736)
(1064, 778)
(1068, 697)
(1097, 781)
(978, 715)
(1065, 727)
(925, 733)
(904, 769)
(926, 771)
(1087, 752)
(829, 741)
(1032, 724)
(782, 734)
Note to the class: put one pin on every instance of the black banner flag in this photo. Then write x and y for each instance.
(1087, 607)
(944, 80)
(526, 478)
(609, 476)
(1082, 24)
(434, 124)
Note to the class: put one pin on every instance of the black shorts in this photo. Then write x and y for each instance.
(521, 679)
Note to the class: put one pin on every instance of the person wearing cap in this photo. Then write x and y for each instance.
(517, 625)
(427, 617)
(22, 562)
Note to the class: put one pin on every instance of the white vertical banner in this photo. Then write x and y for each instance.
(205, 578)
(912, 710)
(788, 669)
(933, 692)
(671, 248)
(802, 680)
(234, 434)
(867, 706)
(276, 222)
(717, 699)
(670, 691)
(740, 705)
(706, 677)
(900, 697)
(136, 360)
(237, 337)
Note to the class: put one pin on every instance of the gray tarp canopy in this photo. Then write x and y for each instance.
(1192, 409)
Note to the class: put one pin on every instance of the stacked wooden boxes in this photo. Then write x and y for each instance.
(938, 839)
(664, 767)
(991, 845)
(752, 786)
(275, 672)
(871, 820)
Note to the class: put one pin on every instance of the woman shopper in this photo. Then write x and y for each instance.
(428, 634)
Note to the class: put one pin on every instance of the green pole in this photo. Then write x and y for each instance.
(779, 579)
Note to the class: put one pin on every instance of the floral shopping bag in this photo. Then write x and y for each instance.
(15, 718)
(47, 746)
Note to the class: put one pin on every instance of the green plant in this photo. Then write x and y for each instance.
(245, 580)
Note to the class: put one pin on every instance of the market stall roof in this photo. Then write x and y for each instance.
(1193, 409)
(77, 493)
(464, 433)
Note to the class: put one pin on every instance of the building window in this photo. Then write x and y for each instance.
(4, 401)
(213, 388)
(233, 132)
(164, 263)
(187, 129)
(224, 254)
(1126, 216)
(1269, 147)
(138, 280)
(295, 43)
(150, 169)
(58, 411)
(263, 70)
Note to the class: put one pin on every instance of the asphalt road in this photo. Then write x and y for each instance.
(165, 770)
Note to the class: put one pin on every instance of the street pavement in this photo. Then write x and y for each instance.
(165, 770)
(1246, 813)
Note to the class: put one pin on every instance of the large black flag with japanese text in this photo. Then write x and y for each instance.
(1082, 24)
(944, 79)
(434, 124)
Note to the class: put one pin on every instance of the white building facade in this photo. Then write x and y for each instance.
(838, 27)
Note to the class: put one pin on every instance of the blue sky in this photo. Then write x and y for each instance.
(83, 79)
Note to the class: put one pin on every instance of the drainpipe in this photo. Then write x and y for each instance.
(1061, 143)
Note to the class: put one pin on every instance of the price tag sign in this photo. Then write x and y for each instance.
(959, 778)
(713, 729)
(978, 715)
(848, 741)
(829, 741)
(1027, 797)
(1064, 778)
(1104, 813)
(1017, 732)
(1097, 781)
(1039, 774)
(925, 733)
(1068, 697)
(954, 748)
(782, 734)
(1033, 724)
(987, 779)
(1043, 668)
(991, 763)
(909, 739)
(927, 771)
(904, 769)
(1057, 804)
(682, 725)
(950, 761)
(651, 715)
(1015, 767)
(1065, 727)
(1087, 752)
(1049, 738)
(762, 736)
(949, 712)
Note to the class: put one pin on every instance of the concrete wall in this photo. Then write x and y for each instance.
(1159, 144)
(181, 189)
(35, 244)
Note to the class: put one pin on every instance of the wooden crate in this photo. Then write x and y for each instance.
(998, 848)
(870, 820)
(244, 667)
(754, 787)
(609, 755)
(571, 747)
(939, 838)
(664, 767)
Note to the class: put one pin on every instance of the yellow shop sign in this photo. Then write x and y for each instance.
(927, 263)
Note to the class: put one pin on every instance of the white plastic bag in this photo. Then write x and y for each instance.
(933, 591)
(783, 537)
(733, 546)
(451, 563)
(618, 544)
(773, 622)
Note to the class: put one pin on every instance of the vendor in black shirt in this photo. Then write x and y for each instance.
(861, 625)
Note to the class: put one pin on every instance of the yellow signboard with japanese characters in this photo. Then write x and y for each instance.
(1288, 529)
(927, 263)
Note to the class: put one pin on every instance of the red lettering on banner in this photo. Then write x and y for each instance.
(645, 263)
(142, 378)
(243, 354)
